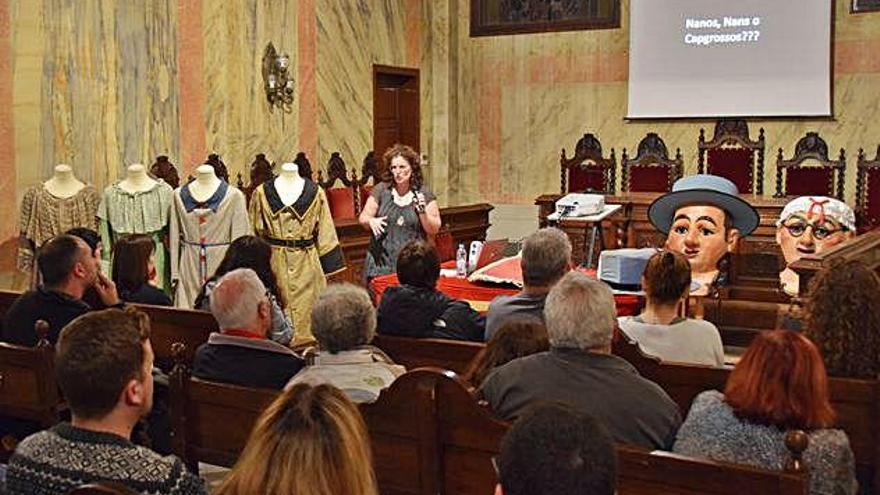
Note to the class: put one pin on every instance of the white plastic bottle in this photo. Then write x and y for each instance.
(461, 261)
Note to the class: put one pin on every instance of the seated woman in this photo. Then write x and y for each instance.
(252, 252)
(134, 271)
(344, 323)
(310, 440)
(416, 308)
(842, 317)
(515, 338)
(779, 384)
(659, 330)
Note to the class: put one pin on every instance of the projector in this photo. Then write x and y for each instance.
(622, 268)
(579, 205)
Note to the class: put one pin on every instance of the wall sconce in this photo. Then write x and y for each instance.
(277, 82)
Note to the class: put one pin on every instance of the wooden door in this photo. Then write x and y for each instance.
(395, 107)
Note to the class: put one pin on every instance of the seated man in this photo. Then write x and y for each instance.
(68, 269)
(579, 370)
(703, 218)
(554, 449)
(417, 309)
(103, 362)
(811, 225)
(546, 257)
(241, 353)
(344, 322)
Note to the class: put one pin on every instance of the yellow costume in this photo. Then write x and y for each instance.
(304, 247)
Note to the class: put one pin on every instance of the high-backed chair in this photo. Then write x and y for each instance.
(219, 167)
(810, 172)
(587, 170)
(651, 170)
(165, 170)
(733, 155)
(28, 390)
(342, 200)
(369, 178)
(260, 172)
(868, 191)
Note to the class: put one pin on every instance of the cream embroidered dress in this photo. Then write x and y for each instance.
(144, 212)
(304, 247)
(200, 234)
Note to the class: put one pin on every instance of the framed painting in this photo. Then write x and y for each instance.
(859, 6)
(501, 17)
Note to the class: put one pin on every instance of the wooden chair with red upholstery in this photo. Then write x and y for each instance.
(370, 176)
(260, 172)
(219, 167)
(651, 170)
(810, 172)
(868, 192)
(733, 155)
(342, 200)
(587, 170)
(165, 170)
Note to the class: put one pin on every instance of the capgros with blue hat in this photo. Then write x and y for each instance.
(704, 189)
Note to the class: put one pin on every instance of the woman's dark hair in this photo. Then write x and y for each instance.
(418, 265)
(131, 260)
(416, 180)
(88, 235)
(667, 276)
(248, 252)
(842, 317)
(516, 338)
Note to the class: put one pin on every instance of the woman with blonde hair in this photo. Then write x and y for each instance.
(309, 441)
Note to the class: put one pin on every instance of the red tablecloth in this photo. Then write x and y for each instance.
(479, 295)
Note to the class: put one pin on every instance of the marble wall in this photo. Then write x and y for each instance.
(522, 98)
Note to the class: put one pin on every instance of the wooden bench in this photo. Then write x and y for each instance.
(28, 390)
(413, 352)
(857, 402)
(169, 325)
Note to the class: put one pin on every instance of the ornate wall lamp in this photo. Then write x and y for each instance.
(277, 82)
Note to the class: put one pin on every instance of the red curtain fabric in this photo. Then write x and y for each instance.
(581, 179)
(649, 179)
(341, 200)
(809, 181)
(733, 164)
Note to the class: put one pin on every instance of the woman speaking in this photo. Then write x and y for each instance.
(400, 209)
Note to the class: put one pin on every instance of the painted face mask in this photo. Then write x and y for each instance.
(699, 234)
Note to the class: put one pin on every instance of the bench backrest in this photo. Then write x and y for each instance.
(169, 325)
(28, 389)
(413, 352)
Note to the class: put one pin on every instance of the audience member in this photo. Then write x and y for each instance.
(842, 316)
(68, 269)
(252, 252)
(579, 370)
(779, 384)
(103, 363)
(344, 323)
(555, 450)
(309, 441)
(134, 271)
(417, 309)
(516, 338)
(659, 330)
(93, 239)
(241, 353)
(546, 257)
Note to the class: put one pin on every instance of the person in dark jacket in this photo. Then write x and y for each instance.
(242, 354)
(134, 270)
(417, 309)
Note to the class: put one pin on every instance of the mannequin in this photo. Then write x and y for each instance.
(289, 184)
(63, 184)
(137, 180)
(205, 185)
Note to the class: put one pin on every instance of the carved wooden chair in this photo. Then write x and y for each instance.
(733, 155)
(369, 172)
(587, 170)
(219, 167)
(342, 200)
(868, 192)
(819, 176)
(260, 172)
(304, 165)
(651, 170)
(28, 390)
(165, 170)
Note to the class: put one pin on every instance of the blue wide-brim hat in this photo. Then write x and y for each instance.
(704, 189)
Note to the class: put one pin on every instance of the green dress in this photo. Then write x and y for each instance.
(143, 212)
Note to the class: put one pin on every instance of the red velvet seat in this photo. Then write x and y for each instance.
(342, 204)
(733, 155)
(868, 192)
(588, 170)
(810, 172)
(342, 200)
(651, 170)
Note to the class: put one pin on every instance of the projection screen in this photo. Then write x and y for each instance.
(724, 58)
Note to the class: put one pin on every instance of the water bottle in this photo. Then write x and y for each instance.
(461, 261)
